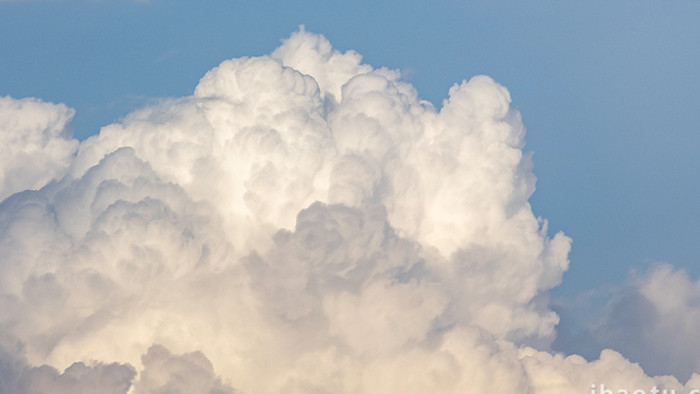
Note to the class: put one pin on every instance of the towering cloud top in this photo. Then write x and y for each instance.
(35, 146)
(302, 223)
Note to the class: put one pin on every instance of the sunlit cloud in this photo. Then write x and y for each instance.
(302, 223)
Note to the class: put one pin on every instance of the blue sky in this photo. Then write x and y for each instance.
(608, 90)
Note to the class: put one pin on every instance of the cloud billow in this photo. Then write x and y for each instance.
(302, 223)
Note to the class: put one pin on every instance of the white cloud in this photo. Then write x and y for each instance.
(652, 319)
(35, 146)
(173, 374)
(16, 376)
(302, 223)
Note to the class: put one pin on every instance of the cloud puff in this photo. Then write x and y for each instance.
(187, 373)
(652, 320)
(302, 223)
(16, 376)
(35, 144)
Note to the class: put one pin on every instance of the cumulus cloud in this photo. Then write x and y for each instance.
(652, 319)
(188, 373)
(17, 376)
(302, 223)
(35, 144)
